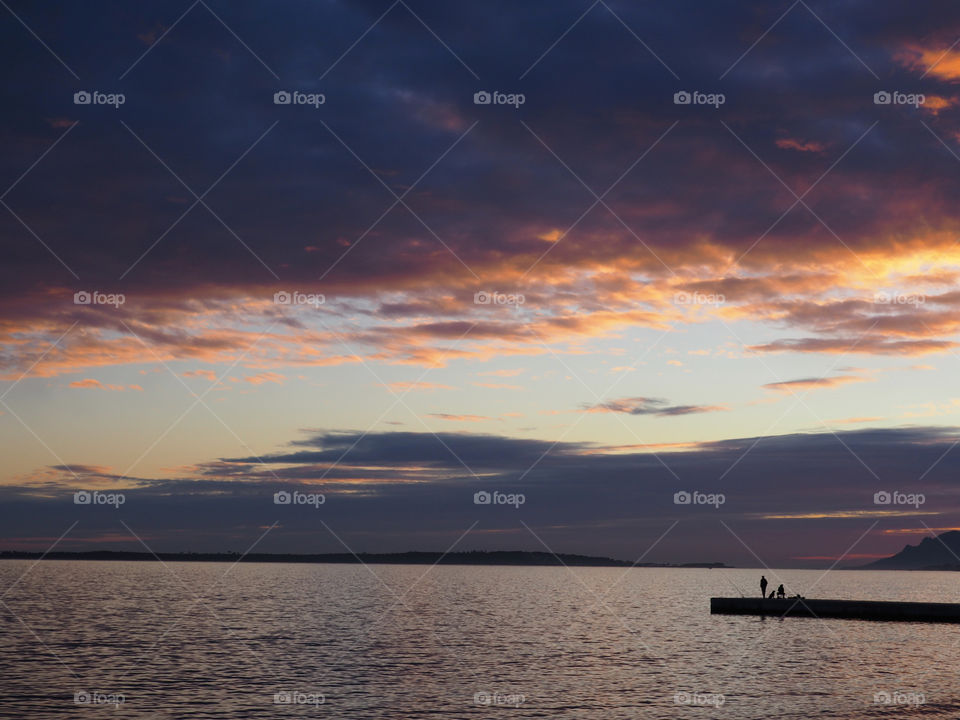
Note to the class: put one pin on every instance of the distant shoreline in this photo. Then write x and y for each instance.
(503, 558)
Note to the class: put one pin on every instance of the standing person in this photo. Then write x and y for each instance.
(763, 586)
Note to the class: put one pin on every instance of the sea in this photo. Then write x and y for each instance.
(84, 639)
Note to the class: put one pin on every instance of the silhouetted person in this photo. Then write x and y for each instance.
(763, 586)
(781, 593)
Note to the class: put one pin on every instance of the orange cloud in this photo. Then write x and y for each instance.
(917, 531)
(801, 145)
(265, 377)
(88, 383)
(96, 384)
(935, 104)
(846, 514)
(566, 307)
(644, 447)
(940, 62)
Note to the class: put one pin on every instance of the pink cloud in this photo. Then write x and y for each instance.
(265, 377)
(807, 384)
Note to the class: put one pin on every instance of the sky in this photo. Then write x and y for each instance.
(672, 282)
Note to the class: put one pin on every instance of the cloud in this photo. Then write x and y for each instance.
(90, 383)
(400, 490)
(651, 406)
(265, 377)
(940, 62)
(800, 145)
(868, 346)
(808, 384)
(936, 104)
(86, 383)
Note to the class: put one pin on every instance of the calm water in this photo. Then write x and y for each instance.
(532, 642)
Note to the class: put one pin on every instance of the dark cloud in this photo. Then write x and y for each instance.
(860, 345)
(441, 449)
(651, 406)
(296, 205)
(398, 491)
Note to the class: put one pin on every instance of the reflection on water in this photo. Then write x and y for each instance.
(199, 640)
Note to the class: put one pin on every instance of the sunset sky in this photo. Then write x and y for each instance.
(756, 298)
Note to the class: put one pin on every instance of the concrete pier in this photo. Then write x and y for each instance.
(850, 609)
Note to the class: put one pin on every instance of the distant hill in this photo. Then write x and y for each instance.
(940, 553)
(477, 557)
